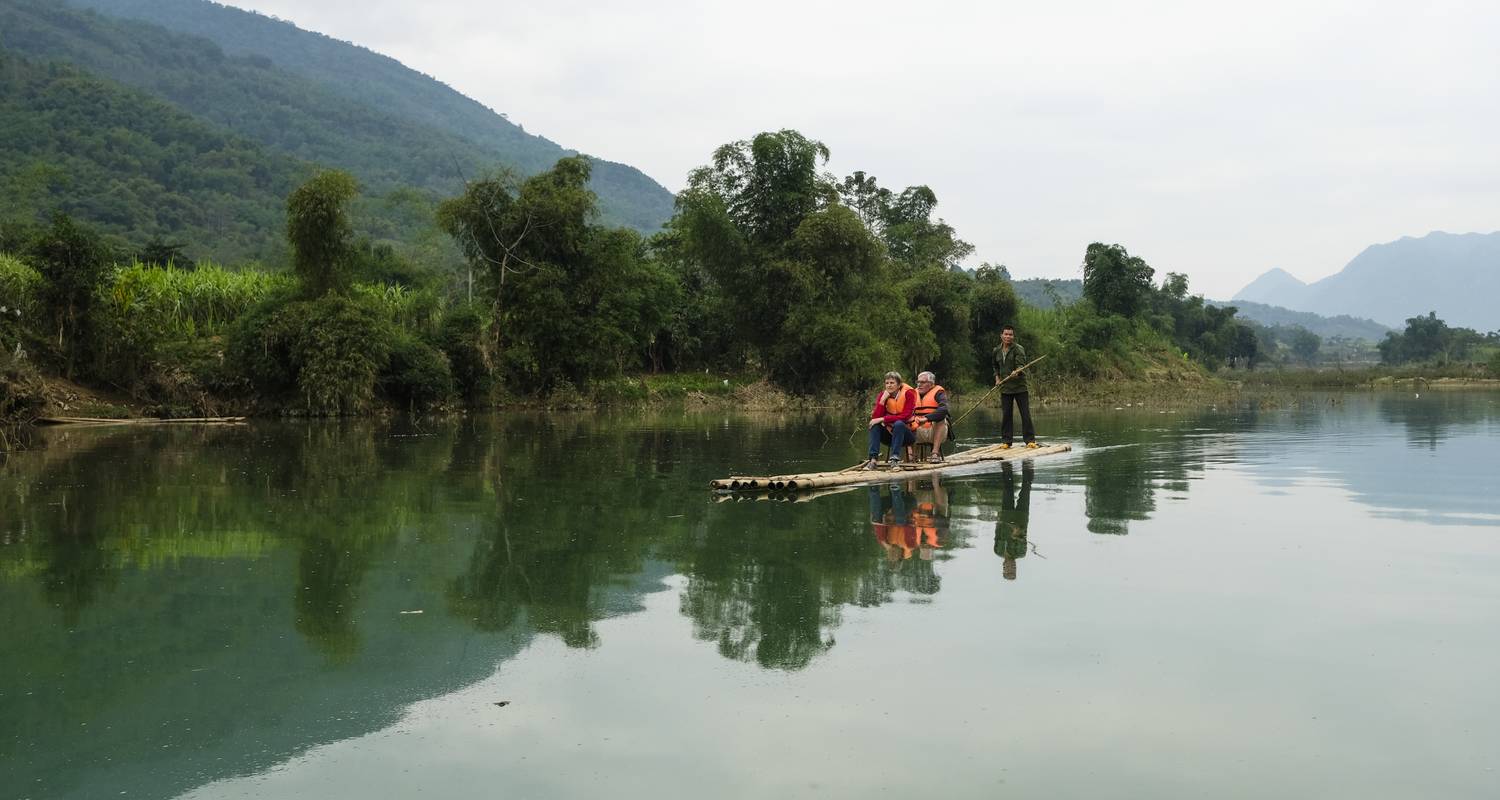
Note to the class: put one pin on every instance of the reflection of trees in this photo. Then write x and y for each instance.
(1126, 459)
(766, 585)
(571, 507)
(1429, 418)
(90, 511)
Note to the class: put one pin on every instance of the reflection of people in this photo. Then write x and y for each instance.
(930, 421)
(890, 420)
(1010, 529)
(930, 518)
(1008, 359)
(892, 522)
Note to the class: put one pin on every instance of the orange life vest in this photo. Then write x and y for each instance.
(926, 404)
(924, 519)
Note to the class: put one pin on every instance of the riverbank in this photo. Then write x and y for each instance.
(28, 395)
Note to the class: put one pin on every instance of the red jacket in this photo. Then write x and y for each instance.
(908, 407)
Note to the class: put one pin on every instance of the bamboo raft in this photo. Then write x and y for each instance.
(853, 475)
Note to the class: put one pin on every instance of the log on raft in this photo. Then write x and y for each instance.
(852, 475)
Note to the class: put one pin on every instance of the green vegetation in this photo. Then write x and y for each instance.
(387, 125)
(1429, 340)
(770, 269)
(133, 166)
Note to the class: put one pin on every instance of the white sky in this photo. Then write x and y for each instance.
(1210, 139)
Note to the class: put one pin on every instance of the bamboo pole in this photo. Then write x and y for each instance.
(986, 395)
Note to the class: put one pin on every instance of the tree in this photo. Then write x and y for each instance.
(993, 307)
(1305, 345)
(1115, 281)
(74, 261)
(320, 233)
(569, 301)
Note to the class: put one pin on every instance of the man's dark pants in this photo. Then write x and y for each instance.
(1007, 423)
(898, 437)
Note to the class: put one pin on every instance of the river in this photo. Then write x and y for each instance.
(1295, 601)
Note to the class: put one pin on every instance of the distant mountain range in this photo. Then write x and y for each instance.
(1048, 292)
(1342, 325)
(1455, 275)
(279, 100)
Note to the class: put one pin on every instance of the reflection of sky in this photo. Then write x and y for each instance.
(1256, 634)
(1300, 651)
(1433, 458)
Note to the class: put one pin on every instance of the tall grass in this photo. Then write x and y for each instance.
(416, 310)
(20, 286)
(183, 304)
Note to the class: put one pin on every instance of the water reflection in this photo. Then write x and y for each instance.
(213, 602)
(1015, 517)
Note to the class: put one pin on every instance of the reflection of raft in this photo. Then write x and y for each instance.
(852, 475)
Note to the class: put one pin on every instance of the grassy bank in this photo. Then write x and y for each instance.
(1371, 377)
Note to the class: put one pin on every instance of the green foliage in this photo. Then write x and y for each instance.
(417, 310)
(201, 302)
(807, 283)
(142, 309)
(262, 346)
(20, 299)
(1494, 363)
(1305, 346)
(994, 306)
(570, 301)
(133, 166)
(338, 353)
(1429, 340)
(371, 81)
(320, 233)
(904, 223)
(417, 376)
(465, 340)
(1115, 281)
(74, 261)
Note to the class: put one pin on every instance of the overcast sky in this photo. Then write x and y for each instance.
(1210, 139)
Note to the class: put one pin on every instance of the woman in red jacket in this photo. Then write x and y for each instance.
(890, 420)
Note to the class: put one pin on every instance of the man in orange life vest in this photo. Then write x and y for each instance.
(929, 423)
(890, 420)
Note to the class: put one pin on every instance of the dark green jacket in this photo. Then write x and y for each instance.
(1004, 364)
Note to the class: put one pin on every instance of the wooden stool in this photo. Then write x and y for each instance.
(918, 451)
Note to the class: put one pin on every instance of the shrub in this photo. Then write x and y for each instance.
(418, 375)
(465, 342)
(338, 353)
(1494, 364)
(262, 346)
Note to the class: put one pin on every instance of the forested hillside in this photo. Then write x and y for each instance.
(1343, 326)
(280, 109)
(136, 167)
(627, 196)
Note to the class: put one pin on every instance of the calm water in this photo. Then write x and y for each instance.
(1232, 603)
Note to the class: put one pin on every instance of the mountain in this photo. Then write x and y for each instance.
(389, 126)
(1455, 275)
(627, 196)
(1274, 286)
(134, 166)
(1327, 327)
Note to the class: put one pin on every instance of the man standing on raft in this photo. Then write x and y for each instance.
(1008, 359)
(890, 420)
